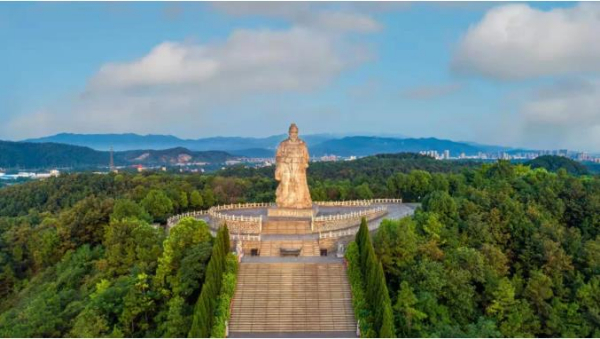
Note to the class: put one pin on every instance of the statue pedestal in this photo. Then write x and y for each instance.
(291, 212)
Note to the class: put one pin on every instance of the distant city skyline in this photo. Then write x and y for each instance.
(510, 74)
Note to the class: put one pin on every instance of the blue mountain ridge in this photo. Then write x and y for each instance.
(319, 144)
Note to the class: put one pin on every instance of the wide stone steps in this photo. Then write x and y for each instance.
(292, 297)
(286, 226)
(308, 248)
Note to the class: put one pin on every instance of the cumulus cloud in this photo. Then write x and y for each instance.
(517, 41)
(249, 61)
(195, 88)
(431, 91)
(565, 114)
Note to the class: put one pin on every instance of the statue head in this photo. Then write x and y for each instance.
(293, 132)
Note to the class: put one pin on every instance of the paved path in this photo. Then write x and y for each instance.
(322, 210)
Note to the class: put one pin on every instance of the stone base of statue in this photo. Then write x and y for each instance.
(291, 212)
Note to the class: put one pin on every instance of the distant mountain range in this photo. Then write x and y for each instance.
(319, 144)
(130, 141)
(44, 155)
(91, 150)
(362, 146)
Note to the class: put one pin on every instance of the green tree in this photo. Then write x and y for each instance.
(196, 200)
(158, 205)
(125, 208)
(363, 191)
(137, 305)
(409, 317)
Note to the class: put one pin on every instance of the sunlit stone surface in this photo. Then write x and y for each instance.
(293, 198)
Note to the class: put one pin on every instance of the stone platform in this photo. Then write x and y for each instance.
(292, 212)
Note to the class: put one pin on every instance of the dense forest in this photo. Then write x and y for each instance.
(554, 163)
(495, 250)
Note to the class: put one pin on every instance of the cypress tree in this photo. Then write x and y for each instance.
(204, 311)
(376, 292)
(387, 327)
(226, 238)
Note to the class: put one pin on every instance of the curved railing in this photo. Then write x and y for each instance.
(238, 224)
(339, 233)
(341, 221)
(242, 224)
(172, 221)
(242, 206)
(366, 202)
(350, 215)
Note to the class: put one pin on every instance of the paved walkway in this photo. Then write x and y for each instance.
(325, 210)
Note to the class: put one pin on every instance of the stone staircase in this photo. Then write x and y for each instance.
(286, 226)
(283, 298)
(272, 248)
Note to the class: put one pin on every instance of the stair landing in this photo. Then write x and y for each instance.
(272, 248)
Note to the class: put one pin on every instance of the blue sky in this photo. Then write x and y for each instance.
(517, 74)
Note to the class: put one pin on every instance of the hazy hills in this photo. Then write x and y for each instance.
(362, 146)
(91, 150)
(130, 141)
(319, 144)
(42, 155)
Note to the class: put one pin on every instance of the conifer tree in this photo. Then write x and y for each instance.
(204, 310)
(387, 327)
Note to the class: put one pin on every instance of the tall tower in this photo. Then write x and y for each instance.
(112, 160)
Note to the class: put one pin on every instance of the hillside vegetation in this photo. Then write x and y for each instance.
(495, 250)
(554, 163)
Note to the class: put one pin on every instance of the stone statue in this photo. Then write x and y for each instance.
(291, 163)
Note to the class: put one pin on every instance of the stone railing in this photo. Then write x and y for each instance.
(350, 203)
(340, 221)
(242, 206)
(172, 221)
(252, 225)
(338, 233)
(238, 224)
(245, 237)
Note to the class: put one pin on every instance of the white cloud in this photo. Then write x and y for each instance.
(564, 115)
(249, 61)
(344, 22)
(517, 41)
(169, 63)
(197, 88)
